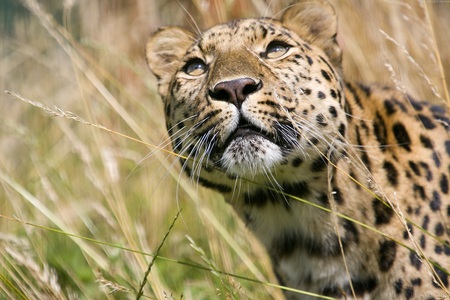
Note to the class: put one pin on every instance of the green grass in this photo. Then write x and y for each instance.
(83, 210)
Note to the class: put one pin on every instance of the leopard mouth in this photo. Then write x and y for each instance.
(248, 151)
(246, 129)
(286, 135)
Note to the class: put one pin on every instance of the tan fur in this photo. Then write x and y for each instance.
(262, 114)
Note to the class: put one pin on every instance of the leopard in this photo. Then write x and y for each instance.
(345, 184)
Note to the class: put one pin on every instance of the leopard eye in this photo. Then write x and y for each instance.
(276, 49)
(195, 67)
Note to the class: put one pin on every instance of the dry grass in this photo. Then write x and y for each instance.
(83, 209)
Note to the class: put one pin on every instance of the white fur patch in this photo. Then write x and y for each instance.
(251, 155)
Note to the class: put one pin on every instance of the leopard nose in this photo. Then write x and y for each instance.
(235, 91)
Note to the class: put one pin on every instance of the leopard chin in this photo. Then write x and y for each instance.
(249, 156)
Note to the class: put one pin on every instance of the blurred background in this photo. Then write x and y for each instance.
(83, 210)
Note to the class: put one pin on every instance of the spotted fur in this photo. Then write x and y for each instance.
(346, 185)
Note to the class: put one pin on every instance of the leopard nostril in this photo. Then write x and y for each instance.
(251, 88)
(235, 91)
(220, 94)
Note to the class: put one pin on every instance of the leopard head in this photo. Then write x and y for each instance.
(253, 95)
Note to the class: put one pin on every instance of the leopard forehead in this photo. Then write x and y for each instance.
(242, 32)
(245, 35)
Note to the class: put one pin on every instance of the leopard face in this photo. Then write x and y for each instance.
(250, 97)
(258, 110)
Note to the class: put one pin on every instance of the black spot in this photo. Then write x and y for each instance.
(423, 241)
(342, 129)
(402, 136)
(398, 286)
(321, 95)
(319, 164)
(437, 109)
(414, 167)
(386, 255)
(438, 249)
(306, 91)
(410, 229)
(383, 212)
(296, 162)
(297, 189)
(439, 229)
(436, 159)
(416, 104)
(428, 173)
(325, 75)
(333, 93)
(333, 111)
(416, 281)
(389, 106)
(380, 131)
(309, 59)
(436, 202)
(391, 173)
(419, 192)
(320, 119)
(409, 292)
(363, 286)
(351, 233)
(409, 210)
(408, 174)
(426, 222)
(415, 260)
(447, 248)
(427, 122)
(426, 142)
(447, 147)
(441, 274)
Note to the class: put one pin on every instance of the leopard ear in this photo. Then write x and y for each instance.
(316, 22)
(164, 51)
